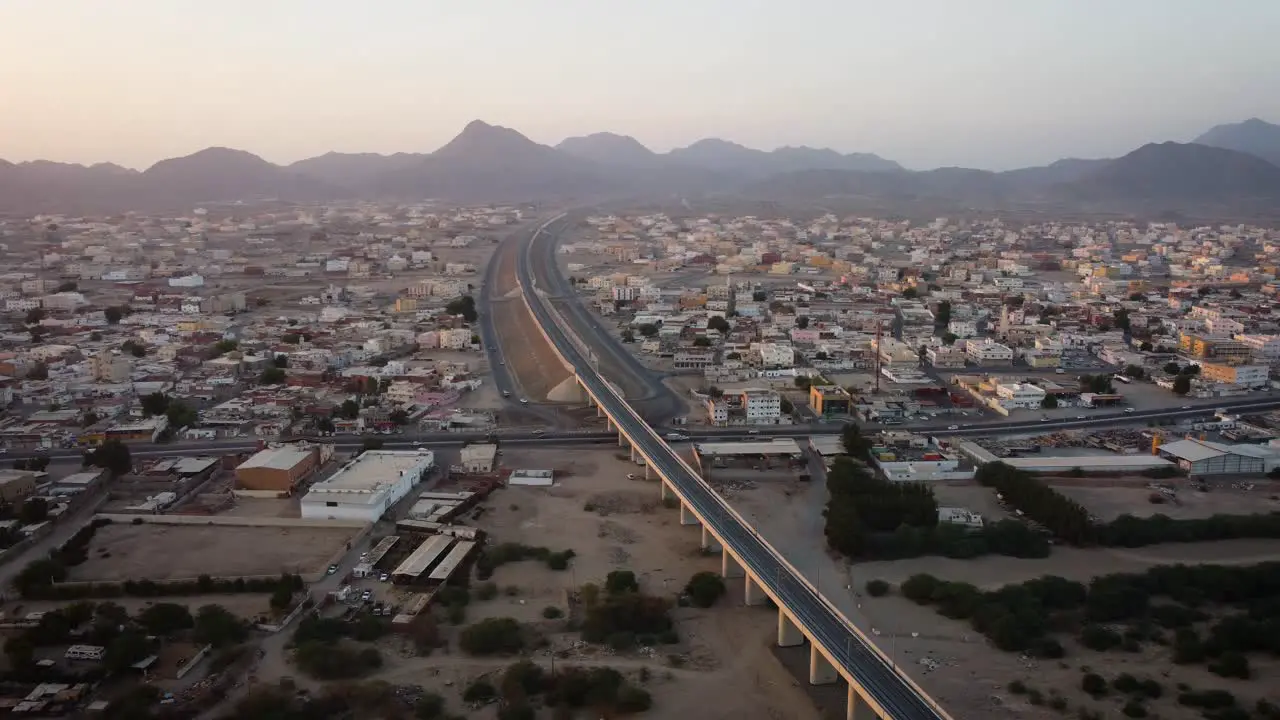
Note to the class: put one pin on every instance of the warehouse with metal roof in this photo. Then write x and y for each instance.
(1202, 457)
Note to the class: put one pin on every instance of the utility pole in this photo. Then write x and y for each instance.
(879, 339)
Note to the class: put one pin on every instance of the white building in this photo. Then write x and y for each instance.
(1019, 396)
(988, 352)
(187, 281)
(962, 328)
(761, 406)
(368, 485)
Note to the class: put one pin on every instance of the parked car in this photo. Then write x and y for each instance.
(367, 595)
(953, 427)
(384, 577)
(333, 569)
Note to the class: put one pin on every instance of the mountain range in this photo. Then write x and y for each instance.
(1228, 168)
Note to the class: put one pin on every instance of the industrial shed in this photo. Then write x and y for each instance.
(422, 559)
(1201, 457)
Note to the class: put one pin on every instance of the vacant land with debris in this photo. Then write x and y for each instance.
(168, 552)
(612, 523)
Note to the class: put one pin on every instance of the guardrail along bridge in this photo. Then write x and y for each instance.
(837, 649)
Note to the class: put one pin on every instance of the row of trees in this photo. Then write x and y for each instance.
(1023, 617)
(621, 615)
(1069, 521)
(860, 505)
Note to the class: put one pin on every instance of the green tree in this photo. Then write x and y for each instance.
(222, 347)
(648, 330)
(181, 414)
(854, 442)
(34, 510)
(704, 589)
(464, 306)
(112, 456)
(35, 315)
(621, 581)
(1172, 368)
(272, 376)
(157, 403)
(1120, 318)
(759, 296)
(134, 348)
(1182, 384)
(216, 626)
(126, 649)
(166, 619)
(628, 336)
(38, 371)
(802, 322)
(1050, 402)
(350, 409)
(718, 323)
(942, 315)
(399, 417)
(702, 342)
(114, 314)
(281, 361)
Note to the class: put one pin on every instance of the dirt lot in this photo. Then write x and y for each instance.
(1110, 502)
(536, 368)
(725, 647)
(961, 671)
(166, 552)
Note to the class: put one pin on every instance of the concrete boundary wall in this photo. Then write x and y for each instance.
(234, 521)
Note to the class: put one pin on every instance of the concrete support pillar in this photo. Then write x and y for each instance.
(789, 634)
(821, 672)
(599, 410)
(647, 474)
(622, 440)
(667, 492)
(754, 594)
(709, 542)
(729, 566)
(608, 423)
(633, 453)
(858, 709)
(686, 515)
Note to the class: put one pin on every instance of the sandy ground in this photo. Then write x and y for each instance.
(963, 673)
(161, 552)
(534, 366)
(727, 647)
(1110, 502)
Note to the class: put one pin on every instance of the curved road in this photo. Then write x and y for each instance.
(877, 678)
(659, 403)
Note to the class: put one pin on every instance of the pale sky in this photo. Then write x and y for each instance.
(977, 83)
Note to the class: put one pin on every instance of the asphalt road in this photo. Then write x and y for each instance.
(500, 374)
(860, 660)
(658, 403)
(573, 437)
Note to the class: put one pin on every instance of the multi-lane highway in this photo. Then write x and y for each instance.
(643, 386)
(879, 680)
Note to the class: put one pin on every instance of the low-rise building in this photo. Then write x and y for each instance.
(278, 469)
(368, 485)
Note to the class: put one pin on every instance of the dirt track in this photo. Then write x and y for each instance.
(534, 365)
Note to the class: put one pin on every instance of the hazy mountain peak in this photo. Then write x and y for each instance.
(1254, 136)
(609, 149)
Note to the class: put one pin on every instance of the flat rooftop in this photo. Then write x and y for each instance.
(373, 470)
(776, 446)
(278, 458)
